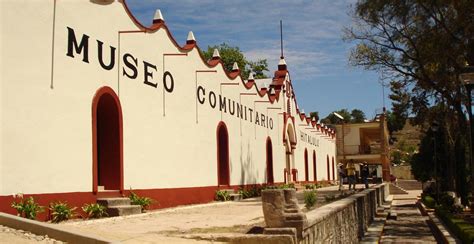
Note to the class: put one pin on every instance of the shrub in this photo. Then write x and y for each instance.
(446, 200)
(310, 186)
(310, 198)
(429, 201)
(95, 210)
(461, 228)
(26, 208)
(144, 202)
(329, 198)
(287, 186)
(60, 211)
(222, 195)
(251, 192)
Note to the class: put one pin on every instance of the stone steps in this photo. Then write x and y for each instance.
(119, 206)
(409, 185)
(396, 190)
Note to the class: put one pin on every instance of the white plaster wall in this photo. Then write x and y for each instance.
(46, 133)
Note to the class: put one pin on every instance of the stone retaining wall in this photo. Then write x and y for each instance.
(342, 221)
(345, 220)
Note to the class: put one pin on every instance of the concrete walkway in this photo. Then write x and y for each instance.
(410, 226)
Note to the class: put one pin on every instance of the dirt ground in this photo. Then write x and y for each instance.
(183, 224)
(170, 225)
(156, 226)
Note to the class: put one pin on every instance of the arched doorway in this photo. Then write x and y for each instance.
(306, 168)
(327, 166)
(315, 176)
(270, 179)
(333, 171)
(107, 141)
(289, 140)
(223, 174)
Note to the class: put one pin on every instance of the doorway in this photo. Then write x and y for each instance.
(107, 141)
(223, 176)
(270, 179)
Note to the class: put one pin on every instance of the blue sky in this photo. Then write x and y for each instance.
(317, 57)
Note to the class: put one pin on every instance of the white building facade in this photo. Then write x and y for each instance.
(94, 104)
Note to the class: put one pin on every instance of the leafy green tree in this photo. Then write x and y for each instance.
(400, 106)
(357, 116)
(421, 46)
(230, 55)
(333, 119)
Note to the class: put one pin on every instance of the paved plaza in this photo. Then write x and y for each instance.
(210, 222)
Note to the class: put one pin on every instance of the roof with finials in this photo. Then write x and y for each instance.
(264, 87)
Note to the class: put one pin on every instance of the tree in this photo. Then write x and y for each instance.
(421, 46)
(333, 119)
(394, 123)
(230, 55)
(400, 104)
(357, 116)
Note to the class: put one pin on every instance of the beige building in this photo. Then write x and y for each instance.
(94, 103)
(365, 142)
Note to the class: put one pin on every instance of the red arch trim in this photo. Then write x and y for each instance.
(95, 102)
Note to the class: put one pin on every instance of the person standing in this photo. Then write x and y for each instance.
(350, 169)
(342, 175)
(365, 175)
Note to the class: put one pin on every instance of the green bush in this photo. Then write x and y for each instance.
(329, 198)
(429, 201)
(447, 201)
(222, 195)
(95, 210)
(60, 211)
(251, 192)
(310, 186)
(462, 229)
(310, 199)
(144, 202)
(287, 186)
(26, 208)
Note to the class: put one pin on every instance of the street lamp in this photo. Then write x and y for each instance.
(434, 128)
(467, 77)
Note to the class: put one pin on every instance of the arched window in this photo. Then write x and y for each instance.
(315, 176)
(223, 174)
(327, 166)
(270, 179)
(107, 153)
(333, 174)
(306, 168)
